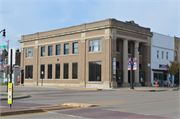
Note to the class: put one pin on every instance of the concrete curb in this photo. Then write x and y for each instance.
(21, 112)
(17, 97)
(150, 90)
(80, 88)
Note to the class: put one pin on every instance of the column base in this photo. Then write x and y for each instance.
(137, 84)
(35, 83)
(148, 84)
(125, 85)
(113, 84)
(82, 84)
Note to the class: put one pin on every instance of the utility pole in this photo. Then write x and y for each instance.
(8, 57)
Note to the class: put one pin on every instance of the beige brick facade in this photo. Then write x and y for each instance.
(109, 31)
(177, 49)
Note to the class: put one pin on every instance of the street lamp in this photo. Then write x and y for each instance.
(4, 33)
(131, 81)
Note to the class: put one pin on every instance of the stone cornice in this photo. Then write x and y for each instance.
(112, 24)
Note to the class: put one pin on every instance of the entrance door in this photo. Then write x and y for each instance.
(22, 76)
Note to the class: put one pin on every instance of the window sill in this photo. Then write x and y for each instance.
(118, 53)
(28, 79)
(95, 52)
(98, 82)
(59, 79)
(29, 58)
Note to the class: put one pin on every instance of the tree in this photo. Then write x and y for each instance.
(173, 68)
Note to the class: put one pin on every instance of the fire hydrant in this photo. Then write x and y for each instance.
(156, 84)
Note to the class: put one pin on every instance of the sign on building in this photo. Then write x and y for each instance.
(114, 67)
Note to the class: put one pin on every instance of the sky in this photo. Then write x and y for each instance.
(23, 17)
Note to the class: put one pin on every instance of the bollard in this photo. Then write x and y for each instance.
(156, 84)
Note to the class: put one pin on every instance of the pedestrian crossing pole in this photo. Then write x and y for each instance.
(10, 85)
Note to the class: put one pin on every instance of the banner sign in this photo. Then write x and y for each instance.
(162, 66)
(134, 63)
(10, 93)
(1, 65)
(114, 68)
(129, 63)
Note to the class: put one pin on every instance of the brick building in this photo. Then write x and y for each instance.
(82, 55)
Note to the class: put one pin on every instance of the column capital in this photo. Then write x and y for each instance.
(113, 37)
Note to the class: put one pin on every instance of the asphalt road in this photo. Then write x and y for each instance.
(113, 104)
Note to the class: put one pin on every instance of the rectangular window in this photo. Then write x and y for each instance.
(49, 71)
(75, 70)
(66, 70)
(175, 55)
(66, 48)
(42, 71)
(29, 52)
(90, 46)
(129, 47)
(94, 71)
(117, 65)
(43, 51)
(75, 48)
(117, 45)
(158, 54)
(166, 55)
(139, 66)
(29, 72)
(57, 71)
(95, 45)
(162, 54)
(50, 50)
(58, 49)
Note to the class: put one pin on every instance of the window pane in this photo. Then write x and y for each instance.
(100, 42)
(58, 49)
(42, 51)
(66, 70)
(75, 71)
(66, 48)
(42, 72)
(57, 71)
(90, 43)
(94, 71)
(95, 48)
(29, 71)
(117, 46)
(49, 50)
(75, 48)
(49, 71)
(95, 42)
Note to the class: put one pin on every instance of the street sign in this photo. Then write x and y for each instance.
(10, 93)
(3, 47)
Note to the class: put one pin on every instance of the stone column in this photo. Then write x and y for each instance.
(136, 72)
(125, 56)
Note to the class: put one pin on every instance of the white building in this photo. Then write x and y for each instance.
(162, 52)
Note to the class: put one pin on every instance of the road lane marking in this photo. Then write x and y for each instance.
(22, 115)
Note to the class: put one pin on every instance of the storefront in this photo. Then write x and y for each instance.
(159, 76)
